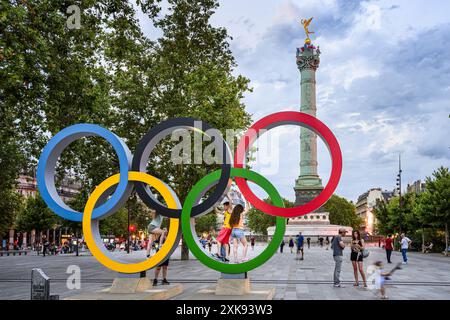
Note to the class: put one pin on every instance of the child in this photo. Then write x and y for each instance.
(381, 279)
(382, 276)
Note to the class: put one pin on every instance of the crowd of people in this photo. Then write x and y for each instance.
(232, 232)
(46, 247)
(359, 253)
(298, 242)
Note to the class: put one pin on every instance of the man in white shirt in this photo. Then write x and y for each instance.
(405, 242)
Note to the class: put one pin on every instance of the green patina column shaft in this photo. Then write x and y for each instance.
(308, 185)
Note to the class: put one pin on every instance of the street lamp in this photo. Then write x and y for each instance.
(128, 227)
(399, 189)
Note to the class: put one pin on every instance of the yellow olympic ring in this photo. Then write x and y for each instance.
(90, 226)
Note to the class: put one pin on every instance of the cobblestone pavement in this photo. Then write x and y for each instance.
(425, 277)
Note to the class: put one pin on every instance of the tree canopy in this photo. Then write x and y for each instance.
(342, 212)
(259, 221)
(427, 212)
(110, 73)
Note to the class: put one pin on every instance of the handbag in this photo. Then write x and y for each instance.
(365, 253)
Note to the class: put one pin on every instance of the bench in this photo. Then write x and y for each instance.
(13, 252)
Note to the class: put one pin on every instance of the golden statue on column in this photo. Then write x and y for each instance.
(305, 23)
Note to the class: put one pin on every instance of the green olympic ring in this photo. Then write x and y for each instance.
(189, 230)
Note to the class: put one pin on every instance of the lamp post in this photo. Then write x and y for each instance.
(129, 218)
(128, 229)
(399, 189)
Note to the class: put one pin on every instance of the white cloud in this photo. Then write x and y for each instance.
(369, 17)
(382, 85)
(349, 71)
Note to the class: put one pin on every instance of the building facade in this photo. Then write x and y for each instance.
(27, 187)
(365, 207)
(235, 197)
(416, 187)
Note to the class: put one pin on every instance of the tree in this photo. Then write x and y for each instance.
(402, 219)
(52, 77)
(420, 214)
(10, 206)
(206, 223)
(109, 73)
(381, 212)
(116, 224)
(11, 162)
(36, 215)
(259, 221)
(190, 75)
(342, 212)
(435, 202)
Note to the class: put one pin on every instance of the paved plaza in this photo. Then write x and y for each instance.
(426, 277)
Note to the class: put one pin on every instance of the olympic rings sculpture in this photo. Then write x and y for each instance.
(112, 193)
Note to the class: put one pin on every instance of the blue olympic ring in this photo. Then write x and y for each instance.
(47, 164)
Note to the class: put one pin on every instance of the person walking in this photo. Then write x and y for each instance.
(356, 257)
(300, 239)
(327, 242)
(291, 244)
(237, 232)
(203, 241)
(45, 245)
(388, 247)
(308, 241)
(282, 245)
(338, 247)
(252, 243)
(405, 242)
(210, 240)
(321, 241)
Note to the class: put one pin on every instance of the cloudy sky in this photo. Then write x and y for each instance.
(383, 85)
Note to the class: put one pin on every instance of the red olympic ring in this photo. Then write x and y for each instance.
(295, 118)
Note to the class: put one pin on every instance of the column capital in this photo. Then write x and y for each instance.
(309, 58)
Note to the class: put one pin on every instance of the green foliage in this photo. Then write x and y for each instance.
(342, 212)
(116, 224)
(433, 207)
(10, 206)
(259, 221)
(391, 218)
(109, 73)
(426, 214)
(381, 212)
(36, 215)
(435, 201)
(206, 223)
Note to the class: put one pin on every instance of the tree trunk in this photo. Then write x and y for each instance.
(184, 250)
(423, 240)
(446, 239)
